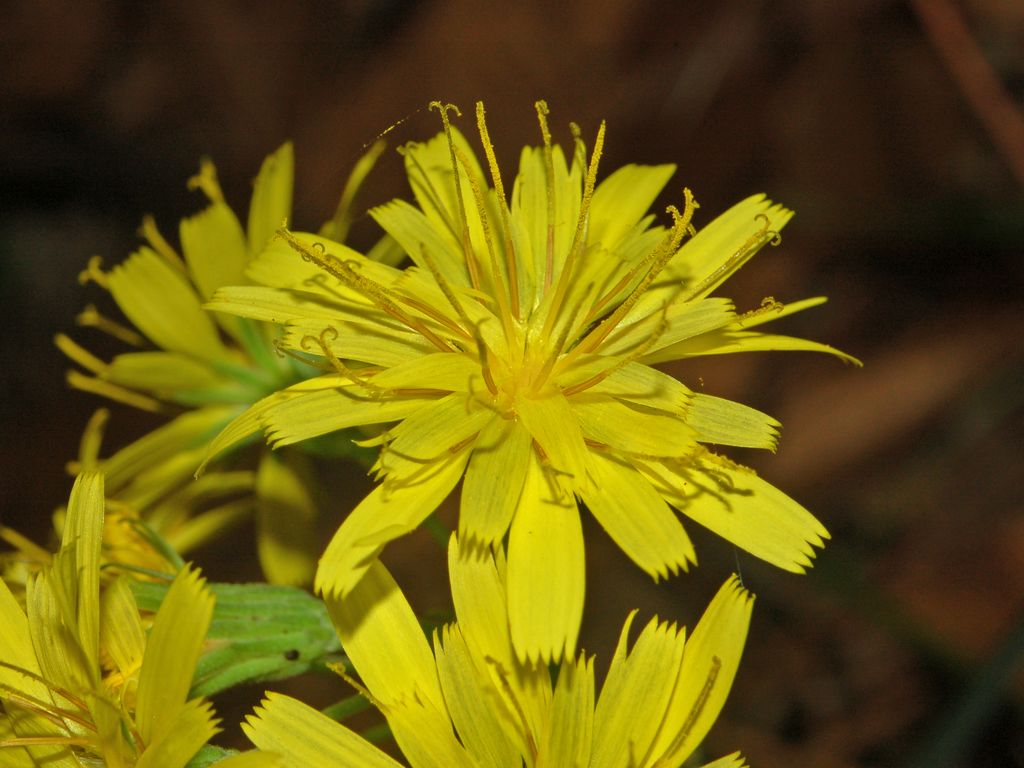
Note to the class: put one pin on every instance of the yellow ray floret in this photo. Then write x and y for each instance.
(467, 700)
(517, 350)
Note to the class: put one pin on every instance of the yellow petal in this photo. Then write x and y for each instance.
(83, 534)
(484, 724)
(192, 725)
(710, 661)
(271, 202)
(637, 518)
(726, 341)
(632, 428)
(432, 432)
(121, 632)
(385, 642)
(570, 731)
(551, 421)
(494, 481)
(664, 327)
(286, 515)
(742, 508)
(214, 247)
(725, 422)
(451, 371)
(635, 695)
(306, 738)
(634, 382)
(478, 592)
(172, 651)
(716, 252)
(621, 200)
(162, 372)
(184, 433)
(545, 570)
(391, 510)
(163, 305)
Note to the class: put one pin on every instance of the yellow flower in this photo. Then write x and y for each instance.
(516, 354)
(213, 366)
(471, 702)
(80, 680)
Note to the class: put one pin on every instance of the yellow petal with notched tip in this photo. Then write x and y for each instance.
(484, 724)
(162, 304)
(271, 202)
(569, 736)
(172, 652)
(192, 725)
(725, 422)
(299, 415)
(494, 481)
(286, 537)
(478, 592)
(391, 510)
(710, 661)
(742, 508)
(306, 738)
(637, 518)
(385, 642)
(545, 570)
(634, 696)
(214, 247)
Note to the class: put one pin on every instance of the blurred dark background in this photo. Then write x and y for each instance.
(892, 127)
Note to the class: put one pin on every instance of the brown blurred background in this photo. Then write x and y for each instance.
(900, 150)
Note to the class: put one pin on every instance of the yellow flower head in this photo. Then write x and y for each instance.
(205, 368)
(516, 355)
(471, 703)
(81, 682)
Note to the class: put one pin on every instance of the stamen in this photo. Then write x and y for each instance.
(496, 277)
(90, 317)
(467, 247)
(92, 439)
(662, 255)
(378, 294)
(768, 305)
(338, 226)
(549, 184)
(206, 180)
(149, 230)
(93, 272)
(327, 335)
(579, 238)
(764, 236)
(636, 354)
(80, 355)
(553, 358)
(113, 392)
(506, 227)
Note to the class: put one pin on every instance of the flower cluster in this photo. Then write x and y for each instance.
(500, 342)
